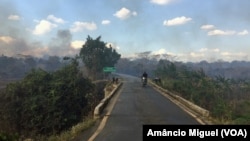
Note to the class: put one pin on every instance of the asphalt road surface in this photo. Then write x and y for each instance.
(132, 107)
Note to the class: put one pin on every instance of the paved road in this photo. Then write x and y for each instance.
(134, 106)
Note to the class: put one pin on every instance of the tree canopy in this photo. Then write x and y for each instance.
(46, 103)
(96, 54)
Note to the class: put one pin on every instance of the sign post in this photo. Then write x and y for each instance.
(109, 69)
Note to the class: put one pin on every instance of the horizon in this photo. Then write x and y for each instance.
(150, 58)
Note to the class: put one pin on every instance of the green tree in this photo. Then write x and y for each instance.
(95, 54)
(46, 103)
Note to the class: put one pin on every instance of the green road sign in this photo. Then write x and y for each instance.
(109, 69)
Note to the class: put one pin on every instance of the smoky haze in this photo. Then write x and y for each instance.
(61, 44)
(15, 38)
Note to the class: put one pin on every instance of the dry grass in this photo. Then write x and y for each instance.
(71, 133)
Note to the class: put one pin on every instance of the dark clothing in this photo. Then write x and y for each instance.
(145, 75)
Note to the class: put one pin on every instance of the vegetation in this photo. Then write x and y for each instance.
(221, 87)
(96, 55)
(51, 103)
(46, 103)
(226, 99)
(18, 67)
(54, 96)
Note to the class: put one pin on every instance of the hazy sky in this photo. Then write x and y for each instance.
(191, 30)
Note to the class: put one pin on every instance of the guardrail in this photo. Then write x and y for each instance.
(195, 108)
(99, 108)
